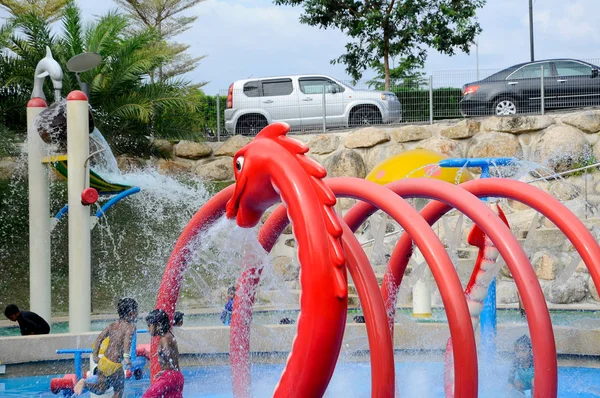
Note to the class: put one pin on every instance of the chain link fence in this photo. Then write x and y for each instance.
(314, 103)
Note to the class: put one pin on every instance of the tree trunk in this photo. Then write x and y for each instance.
(386, 64)
(160, 68)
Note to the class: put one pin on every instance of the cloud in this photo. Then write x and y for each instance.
(255, 37)
(243, 39)
(561, 29)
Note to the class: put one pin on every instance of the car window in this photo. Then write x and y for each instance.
(315, 86)
(568, 68)
(272, 88)
(252, 89)
(533, 71)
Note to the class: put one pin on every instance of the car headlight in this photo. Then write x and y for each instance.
(389, 97)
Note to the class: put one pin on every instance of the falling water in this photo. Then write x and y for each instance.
(104, 161)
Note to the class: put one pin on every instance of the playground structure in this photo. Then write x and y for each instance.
(273, 168)
(74, 166)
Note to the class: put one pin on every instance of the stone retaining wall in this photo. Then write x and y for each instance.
(558, 142)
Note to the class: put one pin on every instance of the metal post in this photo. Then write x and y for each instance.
(218, 118)
(78, 137)
(531, 29)
(585, 176)
(431, 99)
(477, 56)
(324, 111)
(77, 364)
(543, 101)
(39, 217)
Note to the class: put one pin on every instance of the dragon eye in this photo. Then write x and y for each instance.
(239, 163)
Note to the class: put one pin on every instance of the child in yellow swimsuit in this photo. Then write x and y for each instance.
(104, 365)
(115, 344)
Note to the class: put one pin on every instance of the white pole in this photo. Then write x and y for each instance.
(39, 217)
(78, 148)
(477, 56)
(421, 300)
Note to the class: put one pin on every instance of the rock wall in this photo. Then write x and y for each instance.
(558, 142)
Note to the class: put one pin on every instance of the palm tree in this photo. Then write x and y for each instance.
(128, 107)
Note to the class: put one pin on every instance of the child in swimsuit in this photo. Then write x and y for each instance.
(178, 319)
(521, 372)
(168, 383)
(227, 311)
(115, 340)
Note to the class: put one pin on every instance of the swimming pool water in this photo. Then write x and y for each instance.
(414, 379)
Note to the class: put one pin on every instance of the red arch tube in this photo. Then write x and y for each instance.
(465, 354)
(359, 267)
(583, 241)
(459, 320)
(443, 270)
(380, 339)
(544, 348)
(168, 292)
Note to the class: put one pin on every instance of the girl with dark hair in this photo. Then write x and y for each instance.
(168, 383)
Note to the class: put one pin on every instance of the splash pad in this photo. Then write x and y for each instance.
(273, 168)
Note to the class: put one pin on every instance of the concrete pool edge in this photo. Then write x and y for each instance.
(278, 338)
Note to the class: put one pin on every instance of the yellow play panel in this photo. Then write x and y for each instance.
(416, 163)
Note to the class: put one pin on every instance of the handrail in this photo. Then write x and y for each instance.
(114, 200)
(552, 176)
(62, 212)
(65, 209)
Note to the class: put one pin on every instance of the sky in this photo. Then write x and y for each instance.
(254, 38)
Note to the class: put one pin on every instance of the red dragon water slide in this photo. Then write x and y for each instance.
(273, 168)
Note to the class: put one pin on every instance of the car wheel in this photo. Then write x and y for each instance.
(505, 106)
(250, 125)
(365, 115)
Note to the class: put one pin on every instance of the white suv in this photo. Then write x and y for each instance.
(303, 102)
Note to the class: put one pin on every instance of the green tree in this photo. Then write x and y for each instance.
(127, 107)
(382, 29)
(407, 75)
(165, 16)
(48, 10)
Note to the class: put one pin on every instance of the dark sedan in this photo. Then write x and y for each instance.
(567, 83)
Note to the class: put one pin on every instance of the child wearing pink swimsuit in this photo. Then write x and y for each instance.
(168, 383)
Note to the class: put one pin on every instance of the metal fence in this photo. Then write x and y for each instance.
(319, 104)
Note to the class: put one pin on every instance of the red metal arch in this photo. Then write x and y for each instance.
(537, 312)
(168, 292)
(577, 233)
(380, 341)
(546, 204)
(443, 271)
(358, 266)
